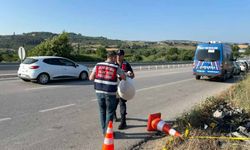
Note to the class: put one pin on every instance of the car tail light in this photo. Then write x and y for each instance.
(34, 67)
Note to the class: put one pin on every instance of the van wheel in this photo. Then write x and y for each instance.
(43, 78)
(223, 78)
(197, 77)
(231, 75)
(83, 75)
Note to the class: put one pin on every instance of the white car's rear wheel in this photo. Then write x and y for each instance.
(43, 78)
(83, 75)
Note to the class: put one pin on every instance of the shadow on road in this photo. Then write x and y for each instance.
(123, 135)
(234, 79)
(138, 119)
(70, 82)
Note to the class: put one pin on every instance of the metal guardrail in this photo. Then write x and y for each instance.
(158, 67)
(9, 66)
(135, 66)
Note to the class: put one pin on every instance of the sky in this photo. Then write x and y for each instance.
(146, 20)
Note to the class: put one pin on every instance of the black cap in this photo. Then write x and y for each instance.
(111, 53)
(120, 52)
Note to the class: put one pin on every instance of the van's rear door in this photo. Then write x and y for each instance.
(207, 62)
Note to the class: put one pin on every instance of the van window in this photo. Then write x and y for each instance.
(29, 61)
(208, 55)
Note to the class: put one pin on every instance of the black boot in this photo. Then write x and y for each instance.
(123, 111)
(123, 124)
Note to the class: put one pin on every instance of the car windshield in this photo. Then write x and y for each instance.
(29, 61)
(208, 55)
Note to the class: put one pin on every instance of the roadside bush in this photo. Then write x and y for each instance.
(101, 52)
(85, 58)
(9, 57)
(186, 55)
(57, 46)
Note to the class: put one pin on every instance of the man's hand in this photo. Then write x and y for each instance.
(130, 74)
(92, 76)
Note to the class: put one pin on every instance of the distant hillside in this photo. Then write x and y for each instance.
(30, 40)
(85, 47)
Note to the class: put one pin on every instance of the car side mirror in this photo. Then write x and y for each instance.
(76, 65)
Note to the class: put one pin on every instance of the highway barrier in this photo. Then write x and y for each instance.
(10, 70)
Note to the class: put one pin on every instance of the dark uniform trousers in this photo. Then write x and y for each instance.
(123, 109)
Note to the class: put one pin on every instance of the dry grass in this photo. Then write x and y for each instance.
(204, 144)
(236, 96)
(240, 94)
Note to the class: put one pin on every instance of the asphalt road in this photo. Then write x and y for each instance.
(64, 115)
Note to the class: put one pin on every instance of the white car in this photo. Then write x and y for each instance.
(46, 68)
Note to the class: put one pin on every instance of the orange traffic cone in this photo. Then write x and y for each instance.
(108, 143)
(155, 123)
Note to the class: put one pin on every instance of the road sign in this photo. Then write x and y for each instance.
(21, 53)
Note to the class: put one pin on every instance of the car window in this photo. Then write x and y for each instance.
(67, 62)
(29, 61)
(52, 61)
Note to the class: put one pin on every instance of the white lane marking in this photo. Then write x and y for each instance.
(162, 85)
(93, 100)
(55, 108)
(5, 119)
(46, 87)
(158, 86)
(160, 74)
(8, 74)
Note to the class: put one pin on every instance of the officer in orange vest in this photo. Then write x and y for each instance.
(105, 76)
(126, 67)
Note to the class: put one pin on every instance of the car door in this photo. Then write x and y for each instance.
(54, 67)
(69, 68)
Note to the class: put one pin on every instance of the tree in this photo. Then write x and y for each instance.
(101, 52)
(9, 57)
(57, 46)
(186, 54)
(146, 53)
(172, 51)
(235, 49)
(247, 52)
(136, 58)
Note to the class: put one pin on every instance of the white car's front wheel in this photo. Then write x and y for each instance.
(43, 78)
(83, 75)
